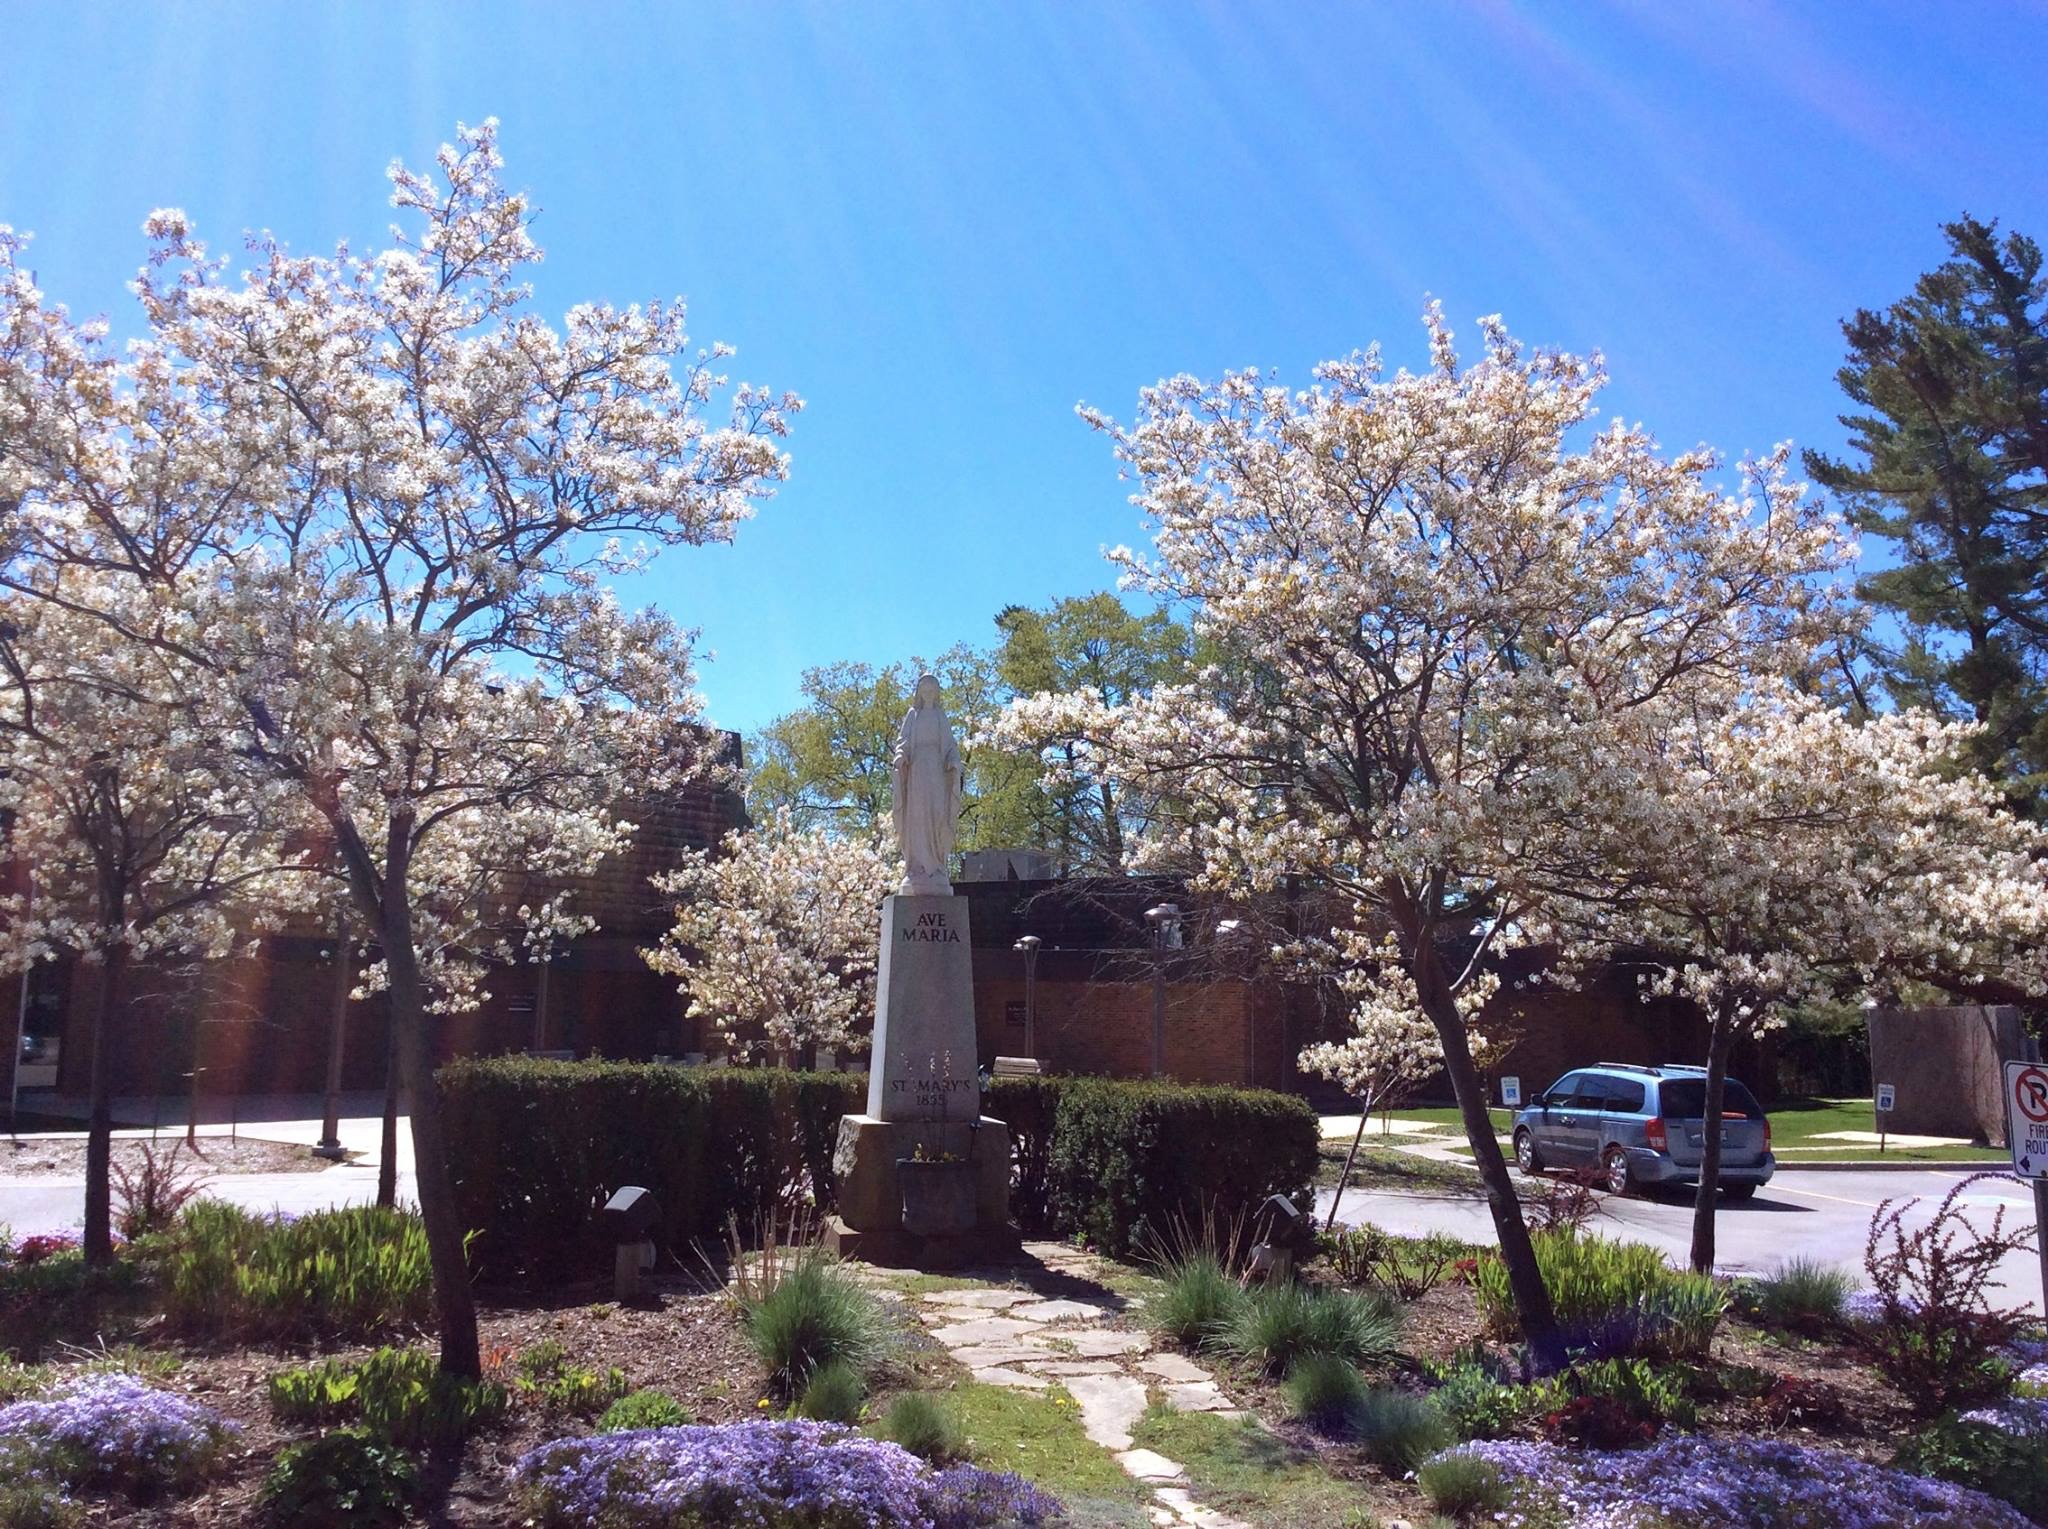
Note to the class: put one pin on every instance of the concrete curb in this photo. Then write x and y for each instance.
(1893, 1165)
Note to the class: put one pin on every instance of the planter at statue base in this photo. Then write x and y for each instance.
(938, 1198)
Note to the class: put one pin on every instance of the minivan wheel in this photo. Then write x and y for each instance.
(1738, 1191)
(1525, 1155)
(1620, 1180)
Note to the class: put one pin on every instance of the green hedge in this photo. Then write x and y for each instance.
(1127, 1159)
(535, 1147)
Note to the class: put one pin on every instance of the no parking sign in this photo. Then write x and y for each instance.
(2026, 1116)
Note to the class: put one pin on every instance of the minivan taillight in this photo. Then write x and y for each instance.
(1653, 1133)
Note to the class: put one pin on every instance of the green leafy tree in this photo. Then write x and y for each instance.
(1949, 463)
(1092, 644)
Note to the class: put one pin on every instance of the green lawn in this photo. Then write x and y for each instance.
(1237, 1467)
(1038, 1436)
(1795, 1123)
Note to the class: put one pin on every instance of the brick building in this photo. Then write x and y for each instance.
(263, 1024)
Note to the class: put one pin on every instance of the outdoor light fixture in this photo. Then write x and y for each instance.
(1165, 921)
(1027, 946)
(631, 1215)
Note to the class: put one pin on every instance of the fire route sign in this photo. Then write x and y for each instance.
(2026, 1116)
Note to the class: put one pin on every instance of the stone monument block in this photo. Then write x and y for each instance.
(925, 1066)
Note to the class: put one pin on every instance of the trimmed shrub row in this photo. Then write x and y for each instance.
(537, 1145)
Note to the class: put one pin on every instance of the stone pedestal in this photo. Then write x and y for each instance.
(924, 1095)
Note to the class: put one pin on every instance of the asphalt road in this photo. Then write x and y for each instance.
(1820, 1215)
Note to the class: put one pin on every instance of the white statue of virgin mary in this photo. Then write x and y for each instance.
(926, 791)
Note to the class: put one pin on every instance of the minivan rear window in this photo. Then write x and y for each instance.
(1686, 1099)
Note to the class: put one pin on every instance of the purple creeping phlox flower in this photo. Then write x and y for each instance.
(2024, 1417)
(113, 1431)
(764, 1475)
(1686, 1482)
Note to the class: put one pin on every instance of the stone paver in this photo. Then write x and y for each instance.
(992, 1300)
(983, 1330)
(1174, 1367)
(1016, 1380)
(1060, 1311)
(1021, 1340)
(1148, 1466)
(1110, 1407)
(1096, 1343)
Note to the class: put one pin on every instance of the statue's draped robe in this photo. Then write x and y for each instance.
(927, 789)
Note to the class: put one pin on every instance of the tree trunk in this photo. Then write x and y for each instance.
(99, 1129)
(387, 1143)
(455, 1302)
(1720, 1043)
(1349, 1158)
(1517, 1253)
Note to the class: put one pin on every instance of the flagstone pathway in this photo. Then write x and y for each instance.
(1015, 1338)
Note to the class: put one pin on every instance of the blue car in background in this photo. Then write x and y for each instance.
(1639, 1126)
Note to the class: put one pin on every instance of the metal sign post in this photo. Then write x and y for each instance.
(2026, 1129)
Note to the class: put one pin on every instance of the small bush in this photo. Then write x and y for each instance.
(29, 1497)
(1463, 1486)
(341, 1480)
(835, 1393)
(1476, 1404)
(1278, 1324)
(352, 1272)
(813, 1316)
(1938, 1338)
(1397, 1431)
(1610, 1297)
(643, 1409)
(1406, 1268)
(1980, 1455)
(1804, 1295)
(1641, 1392)
(925, 1426)
(545, 1378)
(1198, 1301)
(1324, 1391)
(148, 1197)
(404, 1396)
(316, 1393)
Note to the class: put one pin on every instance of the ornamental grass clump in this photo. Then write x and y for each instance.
(784, 1474)
(925, 1426)
(1395, 1430)
(1463, 1486)
(835, 1393)
(1279, 1324)
(1198, 1300)
(1804, 1295)
(1610, 1298)
(1687, 1481)
(1324, 1391)
(110, 1432)
(814, 1315)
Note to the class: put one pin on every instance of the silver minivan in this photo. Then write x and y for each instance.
(1639, 1126)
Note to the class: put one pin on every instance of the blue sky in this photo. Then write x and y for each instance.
(945, 225)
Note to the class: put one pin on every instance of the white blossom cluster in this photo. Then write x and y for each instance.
(775, 939)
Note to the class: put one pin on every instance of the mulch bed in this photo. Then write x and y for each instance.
(691, 1347)
(31, 1157)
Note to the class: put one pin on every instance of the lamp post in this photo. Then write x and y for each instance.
(330, 1117)
(1165, 922)
(1027, 946)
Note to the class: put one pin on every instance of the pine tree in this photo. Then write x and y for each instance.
(1951, 428)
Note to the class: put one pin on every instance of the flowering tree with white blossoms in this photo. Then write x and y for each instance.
(138, 847)
(374, 502)
(1787, 853)
(1441, 606)
(775, 936)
